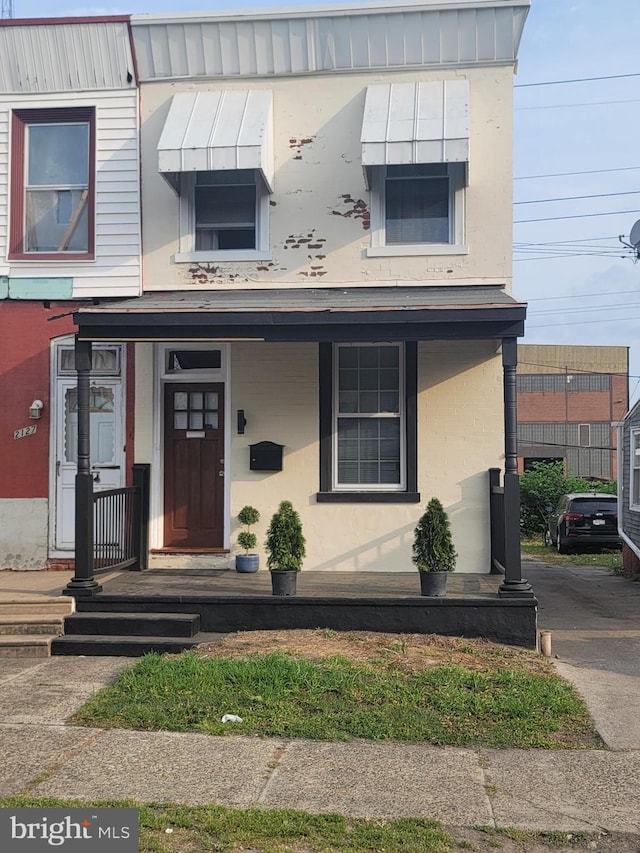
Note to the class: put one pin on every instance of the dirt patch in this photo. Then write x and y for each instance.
(408, 652)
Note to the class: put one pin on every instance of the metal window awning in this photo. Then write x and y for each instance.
(397, 313)
(211, 131)
(410, 123)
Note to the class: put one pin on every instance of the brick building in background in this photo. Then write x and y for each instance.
(569, 400)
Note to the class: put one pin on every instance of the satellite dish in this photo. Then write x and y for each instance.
(634, 235)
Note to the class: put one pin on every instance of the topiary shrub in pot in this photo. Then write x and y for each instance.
(285, 545)
(433, 551)
(247, 562)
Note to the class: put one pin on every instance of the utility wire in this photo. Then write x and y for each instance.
(586, 172)
(575, 197)
(576, 80)
(582, 322)
(577, 216)
(559, 242)
(587, 104)
(580, 295)
(564, 368)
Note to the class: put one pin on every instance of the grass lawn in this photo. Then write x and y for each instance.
(536, 548)
(202, 829)
(325, 685)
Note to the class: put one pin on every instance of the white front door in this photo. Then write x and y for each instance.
(107, 448)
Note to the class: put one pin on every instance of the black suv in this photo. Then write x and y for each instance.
(584, 519)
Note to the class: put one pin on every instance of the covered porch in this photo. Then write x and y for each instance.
(325, 318)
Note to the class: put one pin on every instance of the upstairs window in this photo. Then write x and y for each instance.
(225, 210)
(52, 182)
(418, 209)
(224, 216)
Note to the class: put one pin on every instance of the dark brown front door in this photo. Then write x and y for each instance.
(193, 466)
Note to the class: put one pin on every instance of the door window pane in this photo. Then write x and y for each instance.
(101, 425)
(180, 420)
(180, 400)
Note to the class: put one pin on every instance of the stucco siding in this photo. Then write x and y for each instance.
(320, 210)
(459, 436)
(116, 269)
(24, 525)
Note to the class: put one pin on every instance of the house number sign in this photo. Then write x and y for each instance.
(30, 430)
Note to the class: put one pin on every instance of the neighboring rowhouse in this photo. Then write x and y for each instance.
(69, 234)
(570, 399)
(629, 489)
(326, 318)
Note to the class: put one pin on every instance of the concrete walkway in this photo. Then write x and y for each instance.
(569, 790)
(545, 790)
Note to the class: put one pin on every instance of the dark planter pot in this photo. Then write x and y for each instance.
(433, 583)
(247, 562)
(283, 583)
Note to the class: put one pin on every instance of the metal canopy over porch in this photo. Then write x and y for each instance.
(398, 313)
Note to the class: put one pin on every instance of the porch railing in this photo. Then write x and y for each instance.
(120, 524)
(496, 517)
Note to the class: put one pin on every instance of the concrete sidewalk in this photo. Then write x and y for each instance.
(568, 790)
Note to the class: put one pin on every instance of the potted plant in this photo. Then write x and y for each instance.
(247, 562)
(285, 546)
(433, 551)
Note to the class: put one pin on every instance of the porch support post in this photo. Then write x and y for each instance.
(514, 583)
(83, 582)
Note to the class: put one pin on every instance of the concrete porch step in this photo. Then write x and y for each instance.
(48, 605)
(124, 646)
(133, 624)
(29, 623)
(25, 645)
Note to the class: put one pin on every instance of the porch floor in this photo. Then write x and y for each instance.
(223, 582)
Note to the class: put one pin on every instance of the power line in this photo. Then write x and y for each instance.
(585, 104)
(575, 197)
(582, 322)
(558, 242)
(580, 295)
(530, 442)
(587, 172)
(577, 216)
(576, 80)
(571, 255)
(565, 367)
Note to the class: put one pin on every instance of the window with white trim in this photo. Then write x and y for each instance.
(417, 209)
(369, 417)
(635, 468)
(224, 216)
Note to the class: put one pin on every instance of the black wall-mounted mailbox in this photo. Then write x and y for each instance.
(265, 456)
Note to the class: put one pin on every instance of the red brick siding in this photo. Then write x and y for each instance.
(25, 332)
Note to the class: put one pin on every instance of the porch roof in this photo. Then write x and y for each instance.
(308, 314)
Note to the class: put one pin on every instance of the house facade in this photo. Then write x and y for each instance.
(69, 234)
(570, 400)
(326, 316)
(629, 490)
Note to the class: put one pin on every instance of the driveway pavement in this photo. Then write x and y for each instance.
(594, 619)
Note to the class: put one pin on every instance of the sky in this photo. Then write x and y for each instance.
(582, 285)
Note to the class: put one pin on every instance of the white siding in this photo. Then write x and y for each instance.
(4, 184)
(116, 268)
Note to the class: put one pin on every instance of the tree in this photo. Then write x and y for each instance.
(543, 486)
